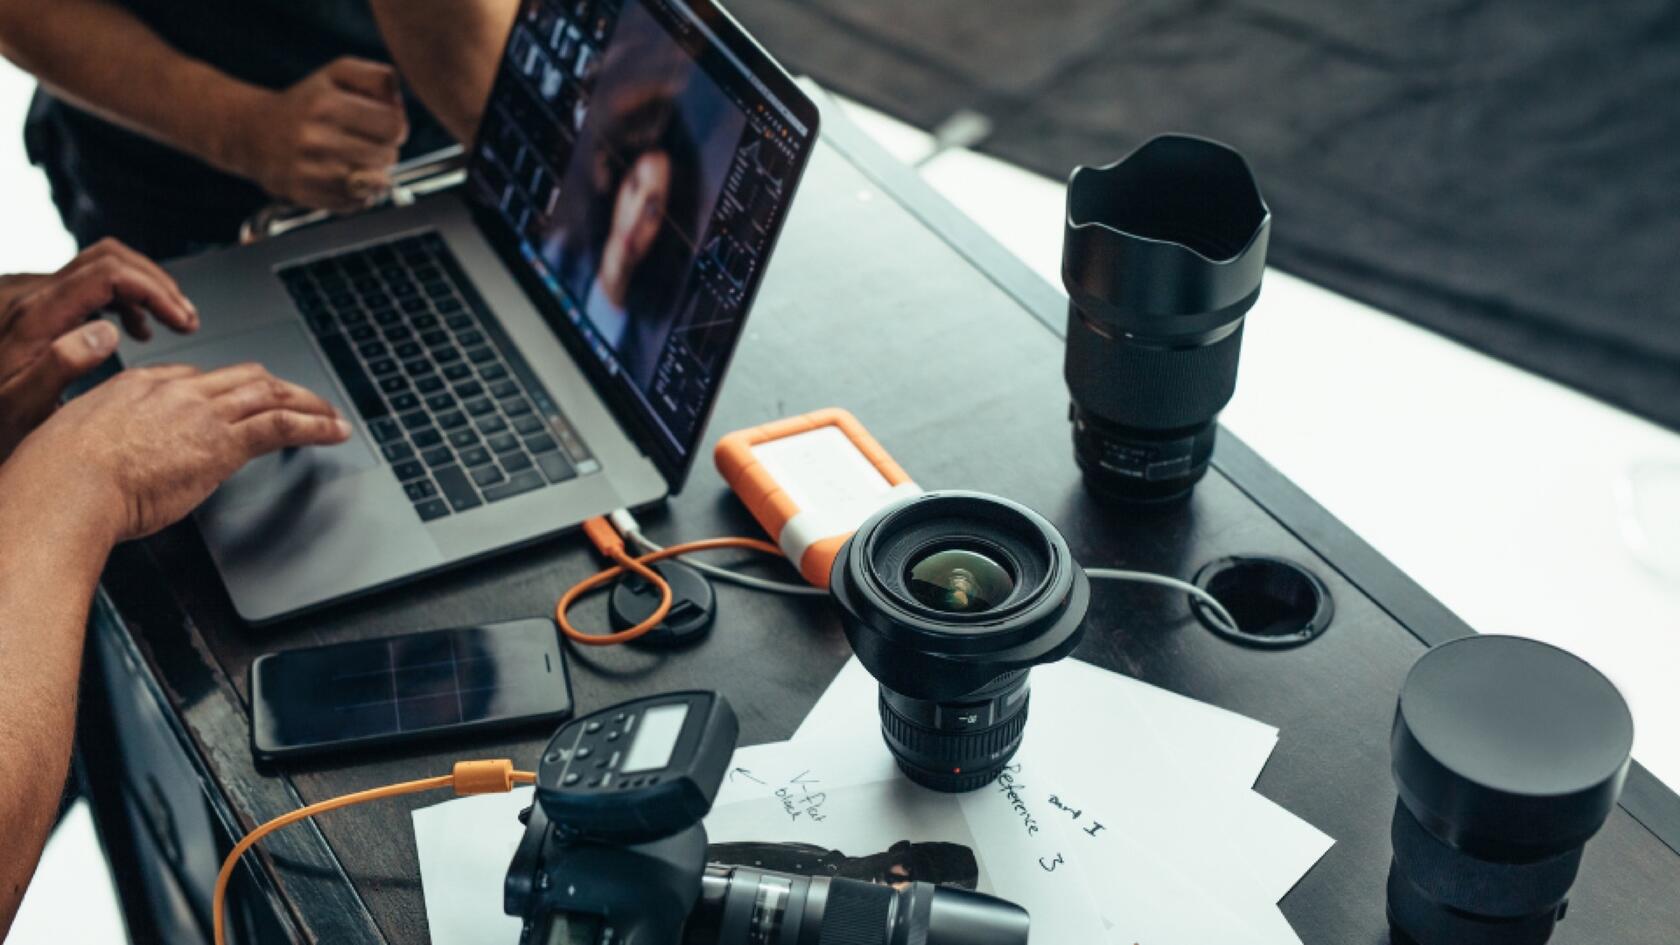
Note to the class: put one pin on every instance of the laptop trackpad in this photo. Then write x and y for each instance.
(285, 350)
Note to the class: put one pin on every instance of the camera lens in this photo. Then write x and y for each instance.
(960, 580)
(1509, 755)
(948, 598)
(743, 906)
(1162, 258)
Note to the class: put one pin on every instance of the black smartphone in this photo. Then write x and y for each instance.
(406, 688)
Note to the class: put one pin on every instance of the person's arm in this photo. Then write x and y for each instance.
(448, 51)
(128, 458)
(308, 143)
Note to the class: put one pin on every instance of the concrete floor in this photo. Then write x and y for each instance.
(1503, 494)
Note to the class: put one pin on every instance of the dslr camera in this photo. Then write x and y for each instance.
(614, 852)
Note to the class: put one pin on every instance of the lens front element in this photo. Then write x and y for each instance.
(959, 581)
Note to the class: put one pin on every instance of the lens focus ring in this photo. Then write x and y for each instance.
(952, 761)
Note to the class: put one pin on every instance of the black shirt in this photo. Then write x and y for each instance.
(111, 182)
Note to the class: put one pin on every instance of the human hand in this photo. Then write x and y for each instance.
(46, 340)
(329, 141)
(143, 449)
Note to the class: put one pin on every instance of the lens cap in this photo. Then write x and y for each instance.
(693, 606)
(1508, 748)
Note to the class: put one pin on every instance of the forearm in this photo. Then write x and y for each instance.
(447, 50)
(52, 549)
(91, 52)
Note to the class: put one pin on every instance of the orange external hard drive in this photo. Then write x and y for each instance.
(811, 480)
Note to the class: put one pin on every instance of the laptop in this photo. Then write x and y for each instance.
(536, 347)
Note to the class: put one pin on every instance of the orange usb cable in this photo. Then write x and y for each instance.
(610, 544)
(469, 777)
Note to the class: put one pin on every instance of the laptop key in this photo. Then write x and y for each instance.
(457, 488)
(470, 337)
(413, 305)
(541, 444)
(464, 438)
(363, 333)
(429, 385)
(502, 390)
(382, 367)
(371, 349)
(492, 372)
(516, 407)
(452, 420)
(397, 452)
(393, 384)
(427, 438)
(480, 406)
(432, 509)
(416, 419)
(409, 470)
(385, 430)
(514, 462)
(481, 355)
(450, 305)
(517, 484)
(435, 337)
(456, 372)
(556, 467)
(438, 456)
(503, 442)
(469, 389)
(405, 401)
(408, 350)
(477, 456)
(491, 423)
(425, 322)
(367, 400)
(528, 425)
(487, 476)
(446, 355)
(440, 402)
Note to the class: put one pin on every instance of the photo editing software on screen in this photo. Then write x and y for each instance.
(641, 167)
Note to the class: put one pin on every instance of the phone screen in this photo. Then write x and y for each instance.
(407, 687)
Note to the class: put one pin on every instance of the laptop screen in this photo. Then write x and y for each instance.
(640, 157)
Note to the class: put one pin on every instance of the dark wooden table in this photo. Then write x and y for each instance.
(885, 300)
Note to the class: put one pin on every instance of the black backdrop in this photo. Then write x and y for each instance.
(1506, 173)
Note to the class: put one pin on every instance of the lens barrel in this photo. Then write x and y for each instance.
(1509, 755)
(948, 598)
(1162, 258)
(744, 906)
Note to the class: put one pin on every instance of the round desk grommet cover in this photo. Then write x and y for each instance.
(1509, 755)
(1276, 602)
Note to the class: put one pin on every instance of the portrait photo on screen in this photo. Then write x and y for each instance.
(650, 162)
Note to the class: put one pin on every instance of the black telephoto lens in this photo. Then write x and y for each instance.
(743, 906)
(948, 598)
(1509, 756)
(1162, 258)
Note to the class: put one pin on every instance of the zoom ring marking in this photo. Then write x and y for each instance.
(933, 745)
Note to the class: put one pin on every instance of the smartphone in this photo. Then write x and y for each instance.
(407, 688)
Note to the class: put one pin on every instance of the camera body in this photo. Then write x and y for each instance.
(614, 852)
(574, 890)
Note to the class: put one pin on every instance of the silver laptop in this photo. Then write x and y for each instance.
(539, 346)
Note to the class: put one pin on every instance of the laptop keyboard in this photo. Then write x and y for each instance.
(454, 408)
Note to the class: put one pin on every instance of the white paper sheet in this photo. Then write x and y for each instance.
(1074, 696)
(1127, 817)
(849, 797)
(1168, 773)
(465, 846)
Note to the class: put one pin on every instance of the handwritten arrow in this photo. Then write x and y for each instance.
(745, 774)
